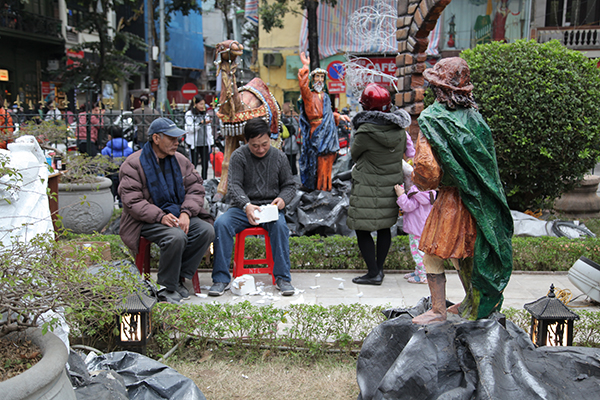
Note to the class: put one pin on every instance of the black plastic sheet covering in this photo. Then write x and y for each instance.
(320, 212)
(144, 378)
(309, 213)
(104, 385)
(462, 359)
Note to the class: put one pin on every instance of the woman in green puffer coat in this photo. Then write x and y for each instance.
(379, 145)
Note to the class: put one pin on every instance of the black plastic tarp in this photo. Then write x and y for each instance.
(462, 359)
(108, 375)
(309, 213)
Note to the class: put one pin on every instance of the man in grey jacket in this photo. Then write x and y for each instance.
(163, 200)
(143, 117)
(258, 175)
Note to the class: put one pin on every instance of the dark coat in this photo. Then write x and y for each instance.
(378, 148)
(138, 207)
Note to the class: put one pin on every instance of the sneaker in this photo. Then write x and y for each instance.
(218, 288)
(417, 279)
(182, 290)
(285, 287)
(169, 296)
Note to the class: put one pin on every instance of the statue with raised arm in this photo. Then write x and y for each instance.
(470, 223)
(318, 127)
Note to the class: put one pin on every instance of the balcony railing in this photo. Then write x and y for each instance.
(30, 23)
(575, 38)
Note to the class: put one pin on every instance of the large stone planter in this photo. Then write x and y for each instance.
(48, 379)
(85, 207)
(581, 202)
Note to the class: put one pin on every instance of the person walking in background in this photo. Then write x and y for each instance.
(416, 206)
(6, 125)
(198, 128)
(53, 113)
(117, 149)
(290, 145)
(142, 118)
(92, 120)
(379, 145)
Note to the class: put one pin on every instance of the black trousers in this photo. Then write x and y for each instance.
(292, 160)
(180, 254)
(200, 155)
(82, 147)
(374, 258)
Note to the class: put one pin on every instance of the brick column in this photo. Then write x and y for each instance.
(416, 18)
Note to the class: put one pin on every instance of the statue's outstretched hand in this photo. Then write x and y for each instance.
(305, 59)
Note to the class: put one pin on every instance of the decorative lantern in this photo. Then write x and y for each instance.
(551, 321)
(135, 323)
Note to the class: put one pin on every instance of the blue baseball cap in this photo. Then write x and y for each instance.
(166, 126)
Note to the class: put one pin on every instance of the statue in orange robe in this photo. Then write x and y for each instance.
(318, 127)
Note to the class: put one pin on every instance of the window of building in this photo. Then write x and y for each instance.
(572, 12)
(467, 23)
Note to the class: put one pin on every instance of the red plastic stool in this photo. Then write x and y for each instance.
(142, 261)
(239, 261)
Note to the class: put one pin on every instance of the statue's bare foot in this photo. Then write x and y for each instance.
(429, 317)
(454, 308)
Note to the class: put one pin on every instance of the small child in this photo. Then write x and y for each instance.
(117, 149)
(416, 206)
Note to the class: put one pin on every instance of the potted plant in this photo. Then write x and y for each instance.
(42, 284)
(40, 276)
(85, 201)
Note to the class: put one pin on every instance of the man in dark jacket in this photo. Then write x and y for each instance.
(143, 117)
(258, 175)
(163, 200)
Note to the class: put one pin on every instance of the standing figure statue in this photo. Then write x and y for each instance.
(470, 222)
(318, 126)
(237, 106)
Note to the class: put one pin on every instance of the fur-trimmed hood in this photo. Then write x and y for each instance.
(398, 117)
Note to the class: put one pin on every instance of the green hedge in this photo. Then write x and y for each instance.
(319, 329)
(341, 252)
(312, 327)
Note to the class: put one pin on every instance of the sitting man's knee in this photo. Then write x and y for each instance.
(179, 236)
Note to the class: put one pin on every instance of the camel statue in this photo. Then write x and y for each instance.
(238, 105)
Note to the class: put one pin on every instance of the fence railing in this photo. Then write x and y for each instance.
(31, 23)
(575, 38)
(202, 131)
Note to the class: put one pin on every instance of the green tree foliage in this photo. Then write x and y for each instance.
(542, 103)
(109, 63)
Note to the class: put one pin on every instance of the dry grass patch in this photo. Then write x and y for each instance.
(276, 378)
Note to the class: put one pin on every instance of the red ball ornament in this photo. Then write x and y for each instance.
(375, 98)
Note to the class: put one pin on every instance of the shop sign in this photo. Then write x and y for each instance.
(336, 87)
(385, 65)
